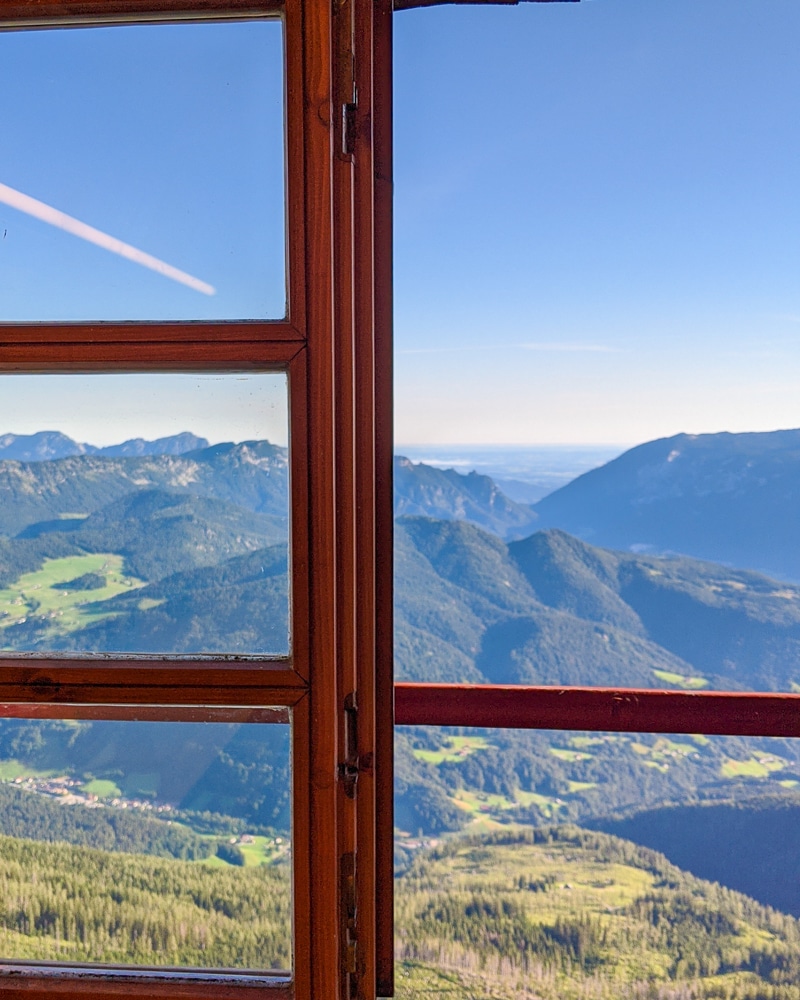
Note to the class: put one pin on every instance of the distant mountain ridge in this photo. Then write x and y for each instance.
(251, 474)
(53, 475)
(421, 489)
(551, 609)
(45, 446)
(730, 498)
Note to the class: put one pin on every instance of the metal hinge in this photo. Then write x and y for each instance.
(348, 770)
(345, 92)
(349, 128)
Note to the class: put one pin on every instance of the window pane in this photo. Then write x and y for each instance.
(143, 173)
(607, 263)
(598, 865)
(144, 514)
(146, 843)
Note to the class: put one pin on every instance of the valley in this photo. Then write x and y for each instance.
(183, 548)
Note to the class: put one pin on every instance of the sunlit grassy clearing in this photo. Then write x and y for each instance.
(681, 681)
(35, 594)
(11, 769)
(664, 747)
(570, 755)
(581, 786)
(582, 742)
(661, 752)
(455, 749)
(482, 805)
(480, 801)
(148, 603)
(262, 851)
(756, 767)
(102, 788)
(550, 808)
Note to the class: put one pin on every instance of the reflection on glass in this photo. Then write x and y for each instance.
(603, 865)
(147, 843)
(142, 173)
(144, 514)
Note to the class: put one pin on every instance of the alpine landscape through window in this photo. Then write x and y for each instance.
(597, 474)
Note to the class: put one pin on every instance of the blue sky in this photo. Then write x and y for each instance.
(107, 409)
(597, 214)
(166, 137)
(597, 220)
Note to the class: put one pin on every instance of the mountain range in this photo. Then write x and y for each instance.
(550, 609)
(479, 597)
(166, 549)
(44, 446)
(730, 498)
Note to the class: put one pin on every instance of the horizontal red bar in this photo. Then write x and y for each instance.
(622, 710)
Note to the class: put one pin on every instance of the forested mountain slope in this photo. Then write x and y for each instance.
(564, 914)
(731, 498)
(421, 489)
(550, 609)
(748, 843)
(250, 475)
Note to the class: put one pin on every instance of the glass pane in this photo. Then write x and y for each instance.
(143, 173)
(144, 514)
(147, 843)
(597, 865)
(597, 344)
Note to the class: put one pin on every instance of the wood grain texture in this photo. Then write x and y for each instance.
(190, 356)
(37, 983)
(345, 281)
(411, 4)
(148, 682)
(144, 333)
(300, 566)
(384, 501)
(338, 526)
(621, 710)
(147, 713)
(317, 89)
(46, 13)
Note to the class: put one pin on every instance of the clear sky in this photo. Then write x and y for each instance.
(597, 220)
(168, 138)
(108, 409)
(597, 213)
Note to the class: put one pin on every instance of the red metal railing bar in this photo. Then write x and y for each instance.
(623, 710)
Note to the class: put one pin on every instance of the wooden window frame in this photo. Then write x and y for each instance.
(335, 348)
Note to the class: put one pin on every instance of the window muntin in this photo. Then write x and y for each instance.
(135, 534)
(167, 142)
(150, 839)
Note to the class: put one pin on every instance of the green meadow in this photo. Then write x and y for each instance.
(680, 681)
(45, 595)
(454, 750)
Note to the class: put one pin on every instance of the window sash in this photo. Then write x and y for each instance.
(334, 354)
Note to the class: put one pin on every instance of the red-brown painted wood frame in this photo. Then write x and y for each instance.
(383, 721)
(326, 345)
(622, 710)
